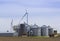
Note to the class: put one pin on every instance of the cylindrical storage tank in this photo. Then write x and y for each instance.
(55, 32)
(51, 31)
(36, 30)
(44, 30)
(39, 31)
(31, 33)
(22, 30)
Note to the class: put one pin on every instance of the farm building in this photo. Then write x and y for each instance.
(32, 30)
(6, 34)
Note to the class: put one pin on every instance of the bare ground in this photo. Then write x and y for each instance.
(28, 39)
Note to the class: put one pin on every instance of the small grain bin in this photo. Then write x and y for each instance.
(50, 30)
(55, 32)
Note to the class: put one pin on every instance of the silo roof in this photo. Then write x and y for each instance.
(44, 26)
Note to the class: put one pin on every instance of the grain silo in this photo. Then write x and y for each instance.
(50, 30)
(36, 30)
(39, 31)
(55, 32)
(22, 30)
(44, 30)
(30, 33)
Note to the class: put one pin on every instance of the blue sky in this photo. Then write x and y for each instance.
(45, 11)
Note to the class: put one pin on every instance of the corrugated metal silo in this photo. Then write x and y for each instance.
(55, 32)
(44, 30)
(39, 31)
(22, 30)
(51, 31)
(36, 30)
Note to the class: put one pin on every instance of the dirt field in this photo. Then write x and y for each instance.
(28, 39)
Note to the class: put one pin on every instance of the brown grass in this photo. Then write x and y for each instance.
(29, 39)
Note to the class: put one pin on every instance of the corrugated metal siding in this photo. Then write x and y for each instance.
(44, 31)
(36, 31)
(51, 31)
